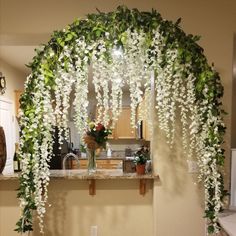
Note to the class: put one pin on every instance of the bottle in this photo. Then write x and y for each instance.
(16, 161)
(109, 151)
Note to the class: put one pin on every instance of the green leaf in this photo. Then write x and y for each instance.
(178, 22)
(210, 229)
(60, 42)
(69, 37)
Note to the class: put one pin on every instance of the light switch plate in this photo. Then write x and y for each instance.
(93, 230)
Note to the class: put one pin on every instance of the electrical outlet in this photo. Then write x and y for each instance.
(93, 230)
(192, 166)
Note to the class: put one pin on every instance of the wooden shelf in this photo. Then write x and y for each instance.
(92, 187)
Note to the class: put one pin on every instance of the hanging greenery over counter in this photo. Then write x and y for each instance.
(124, 46)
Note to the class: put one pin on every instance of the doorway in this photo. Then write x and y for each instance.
(8, 124)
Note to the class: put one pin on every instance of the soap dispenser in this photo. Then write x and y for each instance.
(109, 151)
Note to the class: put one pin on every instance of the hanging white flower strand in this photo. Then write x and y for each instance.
(163, 83)
(101, 83)
(65, 78)
(46, 151)
(81, 100)
(81, 87)
(167, 93)
(116, 72)
(135, 55)
(45, 121)
(209, 171)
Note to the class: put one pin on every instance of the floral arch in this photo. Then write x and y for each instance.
(124, 45)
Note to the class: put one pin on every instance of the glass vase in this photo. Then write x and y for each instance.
(92, 166)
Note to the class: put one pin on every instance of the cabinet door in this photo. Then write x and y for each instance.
(101, 164)
(123, 127)
(115, 164)
(83, 163)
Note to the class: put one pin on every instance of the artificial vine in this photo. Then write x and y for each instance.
(185, 84)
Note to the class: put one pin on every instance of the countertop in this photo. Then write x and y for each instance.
(83, 175)
(228, 222)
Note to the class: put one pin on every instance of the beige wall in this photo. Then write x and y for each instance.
(117, 209)
(176, 208)
(177, 195)
(178, 198)
(233, 121)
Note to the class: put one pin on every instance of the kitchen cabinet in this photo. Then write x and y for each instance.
(123, 128)
(17, 101)
(102, 164)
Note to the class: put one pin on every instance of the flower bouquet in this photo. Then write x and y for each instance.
(96, 137)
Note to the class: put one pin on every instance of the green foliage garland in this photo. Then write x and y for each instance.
(37, 113)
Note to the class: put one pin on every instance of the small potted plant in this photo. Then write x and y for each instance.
(140, 160)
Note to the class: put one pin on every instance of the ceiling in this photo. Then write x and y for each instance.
(26, 24)
(17, 56)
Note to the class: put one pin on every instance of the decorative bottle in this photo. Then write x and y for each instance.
(16, 161)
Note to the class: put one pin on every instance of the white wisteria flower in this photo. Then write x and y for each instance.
(116, 59)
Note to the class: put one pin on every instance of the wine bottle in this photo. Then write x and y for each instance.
(16, 161)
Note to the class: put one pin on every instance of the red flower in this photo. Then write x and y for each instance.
(100, 127)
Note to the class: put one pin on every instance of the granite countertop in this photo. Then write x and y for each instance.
(83, 175)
